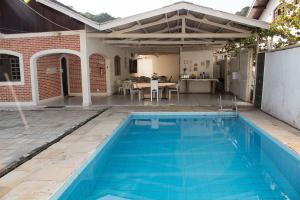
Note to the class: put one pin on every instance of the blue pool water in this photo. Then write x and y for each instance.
(190, 157)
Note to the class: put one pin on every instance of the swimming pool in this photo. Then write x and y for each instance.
(187, 156)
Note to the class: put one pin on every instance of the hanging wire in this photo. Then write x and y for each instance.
(36, 12)
(44, 17)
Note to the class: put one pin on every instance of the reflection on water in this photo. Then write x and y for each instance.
(189, 158)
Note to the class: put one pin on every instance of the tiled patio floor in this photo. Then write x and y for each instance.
(42, 176)
(18, 141)
(121, 100)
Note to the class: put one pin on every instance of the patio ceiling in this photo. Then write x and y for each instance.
(182, 24)
(179, 25)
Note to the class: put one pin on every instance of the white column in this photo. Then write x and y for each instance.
(34, 80)
(85, 71)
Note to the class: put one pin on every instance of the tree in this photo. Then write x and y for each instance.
(285, 30)
(102, 17)
(243, 12)
(286, 27)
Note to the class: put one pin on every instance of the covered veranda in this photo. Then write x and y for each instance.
(193, 35)
(177, 30)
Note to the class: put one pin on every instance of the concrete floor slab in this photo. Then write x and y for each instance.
(121, 100)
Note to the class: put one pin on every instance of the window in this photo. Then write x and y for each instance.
(9, 68)
(132, 66)
(283, 9)
(280, 10)
(117, 61)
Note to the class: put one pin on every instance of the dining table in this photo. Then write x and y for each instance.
(143, 86)
(148, 85)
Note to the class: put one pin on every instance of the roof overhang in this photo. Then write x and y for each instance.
(180, 24)
(257, 8)
(69, 12)
(189, 7)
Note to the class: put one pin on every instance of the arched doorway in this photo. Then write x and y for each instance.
(64, 76)
(51, 78)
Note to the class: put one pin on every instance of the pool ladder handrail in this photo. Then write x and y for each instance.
(234, 105)
(220, 103)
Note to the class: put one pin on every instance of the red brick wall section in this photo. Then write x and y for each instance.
(28, 47)
(74, 74)
(49, 76)
(98, 73)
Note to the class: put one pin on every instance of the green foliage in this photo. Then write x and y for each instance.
(286, 26)
(102, 17)
(235, 46)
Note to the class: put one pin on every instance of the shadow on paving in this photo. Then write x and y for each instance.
(45, 127)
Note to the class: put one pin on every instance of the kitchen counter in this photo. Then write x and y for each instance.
(211, 81)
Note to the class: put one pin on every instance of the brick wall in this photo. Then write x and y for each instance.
(74, 74)
(28, 47)
(49, 76)
(98, 73)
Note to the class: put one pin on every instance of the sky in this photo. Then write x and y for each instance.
(125, 8)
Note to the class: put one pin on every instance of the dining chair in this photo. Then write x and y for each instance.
(120, 86)
(154, 89)
(126, 86)
(134, 90)
(174, 89)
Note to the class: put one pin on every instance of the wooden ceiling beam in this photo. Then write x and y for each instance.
(206, 21)
(139, 26)
(169, 35)
(155, 42)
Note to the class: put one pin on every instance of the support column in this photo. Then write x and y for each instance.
(85, 71)
(256, 60)
(34, 80)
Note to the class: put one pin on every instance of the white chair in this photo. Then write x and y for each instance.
(126, 86)
(134, 90)
(154, 89)
(175, 89)
(120, 86)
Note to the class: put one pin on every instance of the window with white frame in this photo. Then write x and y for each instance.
(9, 68)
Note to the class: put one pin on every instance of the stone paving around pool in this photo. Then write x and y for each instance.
(18, 141)
(42, 176)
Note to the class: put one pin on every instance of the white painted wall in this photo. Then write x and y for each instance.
(145, 67)
(267, 14)
(281, 90)
(164, 65)
(197, 59)
(242, 65)
(192, 58)
(95, 45)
